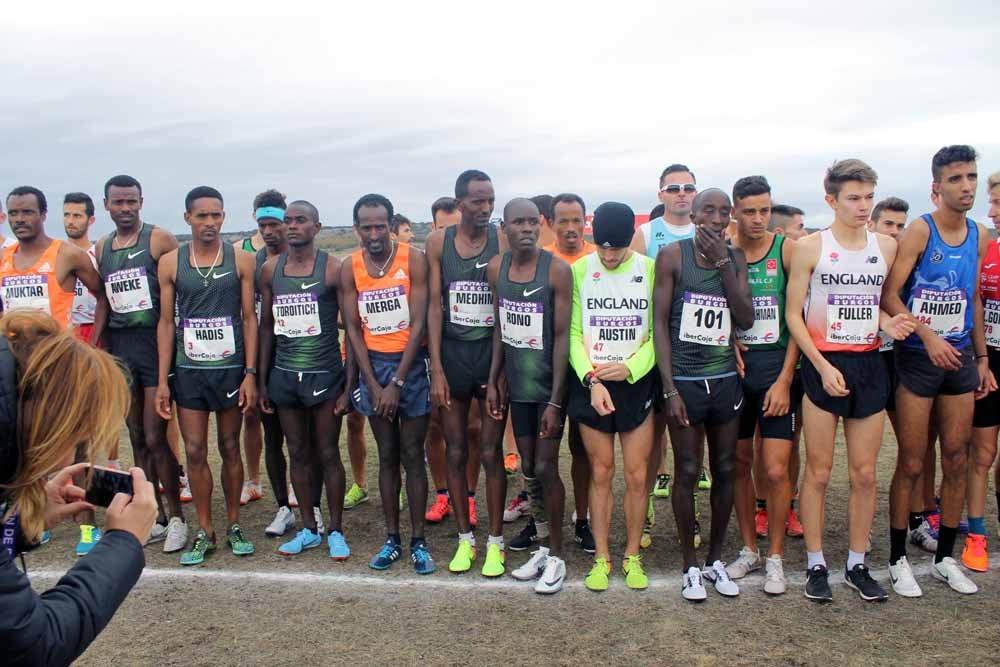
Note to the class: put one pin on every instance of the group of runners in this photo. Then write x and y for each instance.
(718, 323)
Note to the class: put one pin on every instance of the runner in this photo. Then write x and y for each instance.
(5, 241)
(769, 383)
(837, 275)
(534, 297)
(788, 221)
(214, 353)
(611, 352)
(305, 381)
(78, 218)
(546, 235)
(943, 365)
(402, 229)
(460, 352)
(129, 259)
(385, 307)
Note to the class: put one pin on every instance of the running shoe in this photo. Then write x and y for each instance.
(760, 521)
(704, 481)
(283, 520)
(533, 568)
(597, 578)
(355, 496)
(650, 513)
(251, 492)
(338, 546)
(646, 540)
(793, 527)
(493, 566)
(238, 543)
(635, 576)
(934, 521)
(818, 584)
(692, 587)
(202, 546)
(949, 572)
(318, 516)
(390, 552)
(860, 579)
(921, 536)
(157, 534)
(974, 555)
(551, 581)
(186, 495)
(716, 573)
(464, 555)
(746, 562)
(511, 463)
(439, 510)
(421, 557)
(89, 536)
(519, 507)
(472, 512)
(584, 537)
(305, 539)
(293, 502)
(774, 576)
(662, 487)
(47, 537)
(902, 579)
(527, 538)
(177, 535)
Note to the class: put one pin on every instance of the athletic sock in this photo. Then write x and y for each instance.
(814, 558)
(414, 541)
(916, 518)
(443, 492)
(541, 529)
(946, 543)
(472, 494)
(855, 558)
(580, 523)
(897, 544)
(468, 537)
(761, 504)
(791, 505)
(495, 539)
(394, 537)
(977, 525)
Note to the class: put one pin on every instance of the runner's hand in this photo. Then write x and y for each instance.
(440, 394)
(710, 244)
(248, 394)
(987, 382)
(495, 403)
(552, 421)
(600, 400)
(777, 400)
(611, 372)
(677, 413)
(135, 513)
(900, 326)
(65, 499)
(942, 354)
(163, 406)
(263, 401)
(833, 381)
(387, 402)
(741, 365)
(343, 404)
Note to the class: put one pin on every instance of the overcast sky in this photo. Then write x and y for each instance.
(398, 98)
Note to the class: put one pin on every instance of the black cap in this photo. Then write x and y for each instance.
(614, 225)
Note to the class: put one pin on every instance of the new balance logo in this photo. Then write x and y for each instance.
(216, 276)
(530, 292)
(133, 255)
(308, 285)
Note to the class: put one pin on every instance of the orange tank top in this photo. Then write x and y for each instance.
(384, 302)
(569, 259)
(36, 288)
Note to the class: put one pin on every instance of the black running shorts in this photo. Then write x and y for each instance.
(632, 402)
(207, 389)
(712, 401)
(526, 419)
(467, 366)
(916, 372)
(889, 357)
(865, 376)
(987, 412)
(136, 349)
(293, 389)
(762, 370)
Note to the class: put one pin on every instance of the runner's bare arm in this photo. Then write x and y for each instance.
(792, 351)
(165, 330)
(663, 296)
(737, 289)
(352, 326)
(561, 279)
(265, 332)
(161, 242)
(987, 382)
(638, 241)
(418, 311)
(440, 394)
(496, 363)
(804, 258)
(911, 245)
(246, 266)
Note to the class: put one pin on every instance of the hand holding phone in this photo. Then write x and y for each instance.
(105, 483)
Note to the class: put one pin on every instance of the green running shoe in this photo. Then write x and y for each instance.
(597, 580)
(355, 496)
(202, 545)
(493, 566)
(462, 562)
(240, 545)
(662, 487)
(704, 481)
(635, 576)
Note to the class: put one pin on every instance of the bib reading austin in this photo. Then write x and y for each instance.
(609, 303)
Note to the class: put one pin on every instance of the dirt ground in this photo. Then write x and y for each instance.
(276, 610)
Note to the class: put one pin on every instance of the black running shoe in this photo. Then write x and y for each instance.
(818, 584)
(861, 580)
(584, 537)
(527, 538)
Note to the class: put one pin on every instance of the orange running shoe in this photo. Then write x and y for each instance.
(439, 510)
(511, 463)
(793, 527)
(472, 512)
(974, 554)
(760, 520)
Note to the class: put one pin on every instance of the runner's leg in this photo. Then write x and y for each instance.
(227, 424)
(194, 428)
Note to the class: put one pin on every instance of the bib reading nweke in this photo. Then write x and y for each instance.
(384, 311)
(296, 315)
(209, 338)
(29, 291)
(128, 291)
(851, 319)
(766, 326)
(942, 311)
(521, 323)
(705, 319)
(470, 303)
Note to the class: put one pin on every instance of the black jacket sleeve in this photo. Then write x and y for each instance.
(54, 628)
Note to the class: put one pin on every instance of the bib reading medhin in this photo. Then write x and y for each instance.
(128, 291)
(471, 303)
(384, 311)
(521, 323)
(209, 338)
(705, 320)
(766, 326)
(296, 315)
(851, 319)
(942, 311)
(26, 291)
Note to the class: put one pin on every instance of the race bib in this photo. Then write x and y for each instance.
(991, 316)
(851, 319)
(470, 303)
(885, 342)
(765, 327)
(257, 300)
(209, 338)
(384, 311)
(943, 311)
(615, 337)
(296, 315)
(84, 304)
(521, 323)
(128, 291)
(28, 291)
(705, 319)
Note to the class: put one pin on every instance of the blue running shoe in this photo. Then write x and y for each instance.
(89, 536)
(46, 538)
(387, 555)
(422, 561)
(338, 546)
(306, 539)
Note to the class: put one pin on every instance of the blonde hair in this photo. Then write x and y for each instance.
(70, 395)
(993, 181)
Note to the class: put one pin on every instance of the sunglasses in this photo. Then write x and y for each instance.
(675, 189)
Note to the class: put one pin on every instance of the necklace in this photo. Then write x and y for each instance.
(124, 244)
(204, 276)
(392, 252)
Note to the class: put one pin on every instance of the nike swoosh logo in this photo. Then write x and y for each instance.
(317, 393)
(480, 266)
(988, 266)
(221, 275)
(133, 255)
(230, 394)
(555, 583)
(308, 285)
(894, 579)
(737, 406)
(530, 292)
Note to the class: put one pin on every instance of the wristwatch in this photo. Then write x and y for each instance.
(249, 370)
(397, 381)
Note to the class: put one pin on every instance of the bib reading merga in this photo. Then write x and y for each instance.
(470, 303)
(852, 319)
(385, 310)
(296, 315)
(521, 323)
(27, 291)
(209, 339)
(705, 320)
(128, 291)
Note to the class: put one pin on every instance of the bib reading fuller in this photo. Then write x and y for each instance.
(851, 319)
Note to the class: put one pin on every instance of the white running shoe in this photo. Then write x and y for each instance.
(723, 584)
(534, 567)
(922, 537)
(251, 492)
(748, 561)
(518, 507)
(292, 500)
(157, 534)
(552, 577)
(949, 572)
(692, 588)
(903, 582)
(774, 576)
(283, 520)
(177, 535)
(186, 495)
(320, 528)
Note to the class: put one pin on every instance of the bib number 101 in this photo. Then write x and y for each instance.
(708, 318)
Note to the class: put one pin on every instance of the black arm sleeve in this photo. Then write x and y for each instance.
(54, 628)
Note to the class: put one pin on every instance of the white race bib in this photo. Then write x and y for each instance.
(128, 291)
(470, 303)
(209, 338)
(384, 311)
(943, 311)
(29, 291)
(705, 319)
(616, 337)
(84, 304)
(886, 343)
(851, 319)
(296, 315)
(765, 327)
(521, 323)
(991, 316)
